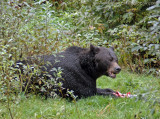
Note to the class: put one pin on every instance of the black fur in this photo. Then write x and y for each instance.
(80, 69)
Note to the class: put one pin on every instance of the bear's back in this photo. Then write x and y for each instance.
(68, 60)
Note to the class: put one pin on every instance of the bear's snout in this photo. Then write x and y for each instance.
(117, 69)
(113, 70)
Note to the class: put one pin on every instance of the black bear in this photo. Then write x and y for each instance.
(80, 69)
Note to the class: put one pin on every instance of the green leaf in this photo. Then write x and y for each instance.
(135, 48)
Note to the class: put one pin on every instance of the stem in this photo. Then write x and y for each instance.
(46, 28)
(76, 108)
(8, 101)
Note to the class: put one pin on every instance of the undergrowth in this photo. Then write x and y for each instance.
(146, 106)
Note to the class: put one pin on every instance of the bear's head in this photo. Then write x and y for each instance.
(106, 61)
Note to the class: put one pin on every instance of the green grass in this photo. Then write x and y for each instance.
(147, 107)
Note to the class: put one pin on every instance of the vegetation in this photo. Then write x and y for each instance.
(146, 106)
(31, 28)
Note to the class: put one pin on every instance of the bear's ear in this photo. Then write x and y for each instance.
(112, 48)
(94, 49)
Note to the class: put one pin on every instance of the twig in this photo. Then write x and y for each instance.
(101, 112)
(8, 102)
(9, 108)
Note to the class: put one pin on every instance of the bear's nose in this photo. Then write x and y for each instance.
(118, 69)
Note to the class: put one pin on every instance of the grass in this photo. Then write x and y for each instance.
(147, 107)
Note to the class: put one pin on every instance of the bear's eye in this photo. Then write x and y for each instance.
(111, 59)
